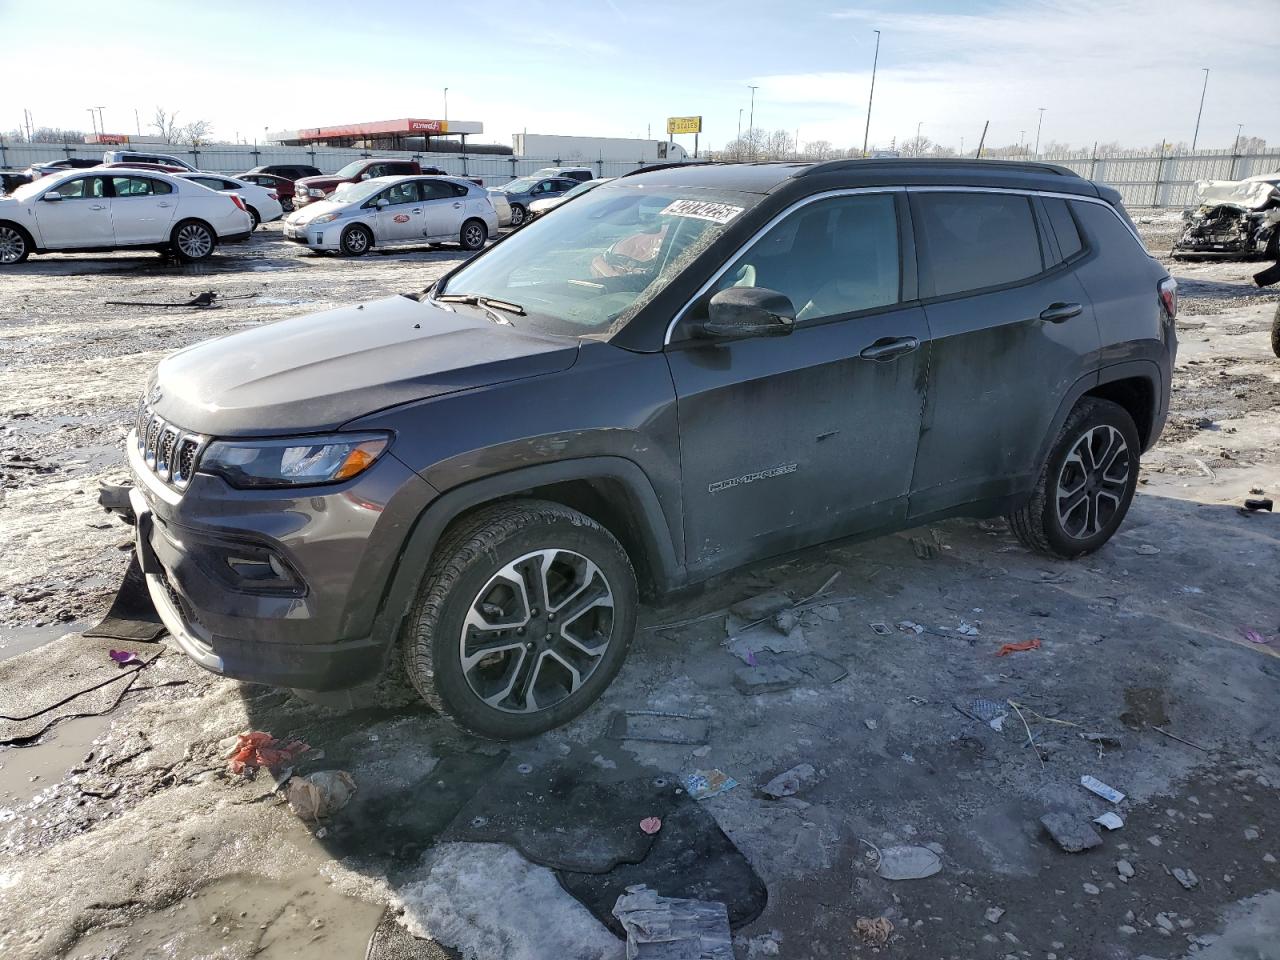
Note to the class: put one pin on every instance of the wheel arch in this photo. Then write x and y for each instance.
(611, 490)
(1134, 385)
(366, 227)
(24, 231)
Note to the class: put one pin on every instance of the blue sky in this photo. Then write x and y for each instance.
(1124, 70)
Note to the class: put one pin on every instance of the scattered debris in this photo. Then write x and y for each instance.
(759, 608)
(1125, 869)
(1020, 647)
(257, 749)
(702, 784)
(651, 825)
(870, 724)
(881, 628)
(908, 863)
(765, 678)
(874, 931)
(318, 795)
(1253, 636)
(205, 299)
(1262, 503)
(1092, 889)
(124, 657)
(1187, 878)
(785, 622)
(1174, 736)
(1070, 833)
(1110, 820)
(908, 626)
(990, 712)
(1147, 550)
(994, 914)
(1236, 216)
(666, 928)
(791, 782)
(655, 726)
(967, 629)
(1102, 739)
(1094, 785)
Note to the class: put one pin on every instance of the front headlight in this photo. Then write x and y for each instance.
(293, 461)
(325, 218)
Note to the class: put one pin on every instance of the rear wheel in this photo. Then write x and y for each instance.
(474, 234)
(1275, 333)
(253, 216)
(1086, 485)
(193, 241)
(15, 245)
(523, 619)
(356, 240)
(518, 215)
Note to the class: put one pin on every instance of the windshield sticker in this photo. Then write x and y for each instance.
(720, 213)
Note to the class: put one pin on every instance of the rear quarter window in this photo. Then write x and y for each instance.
(1064, 227)
(973, 241)
(1107, 233)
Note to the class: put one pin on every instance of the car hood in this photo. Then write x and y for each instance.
(315, 209)
(314, 373)
(321, 181)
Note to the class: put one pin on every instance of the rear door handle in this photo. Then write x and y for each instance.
(889, 348)
(98, 206)
(417, 210)
(1058, 312)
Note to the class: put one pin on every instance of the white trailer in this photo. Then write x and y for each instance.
(565, 151)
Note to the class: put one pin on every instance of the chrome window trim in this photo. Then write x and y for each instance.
(852, 191)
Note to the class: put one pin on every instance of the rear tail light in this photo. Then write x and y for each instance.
(273, 196)
(1169, 297)
(238, 202)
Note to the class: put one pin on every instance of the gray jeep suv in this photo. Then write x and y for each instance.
(683, 371)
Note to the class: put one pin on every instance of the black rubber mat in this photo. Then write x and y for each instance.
(132, 617)
(691, 858)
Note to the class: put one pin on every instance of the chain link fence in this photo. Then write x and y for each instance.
(1143, 179)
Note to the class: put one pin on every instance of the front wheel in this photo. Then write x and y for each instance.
(1275, 333)
(255, 219)
(518, 215)
(1086, 485)
(15, 247)
(356, 241)
(523, 619)
(474, 234)
(193, 241)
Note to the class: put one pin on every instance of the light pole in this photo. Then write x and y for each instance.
(1196, 135)
(1038, 124)
(866, 132)
(93, 120)
(918, 151)
(446, 105)
(1022, 144)
(739, 144)
(1239, 127)
(751, 119)
(102, 127)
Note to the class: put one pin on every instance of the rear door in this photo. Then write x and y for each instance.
(445, 204)
(788, 441)
(1013, 330)
(142, 209)
(82, 218)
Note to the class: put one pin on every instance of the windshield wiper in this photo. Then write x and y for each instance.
(487, 304)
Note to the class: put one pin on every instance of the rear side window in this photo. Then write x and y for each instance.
(1064, 227)
(977, 240)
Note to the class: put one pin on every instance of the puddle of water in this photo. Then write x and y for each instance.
(16, 640)
(50, 759)
(243, 916)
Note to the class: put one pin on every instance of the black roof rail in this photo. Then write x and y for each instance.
(937, 163)
(667, 166)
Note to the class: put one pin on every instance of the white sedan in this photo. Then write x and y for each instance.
(387, 211)
(263, 204)
(114, 209)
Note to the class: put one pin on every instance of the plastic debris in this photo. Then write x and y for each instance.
(761, 607)
(1261, 503)
(1071, 834)
(702, 784)
(874, 931)
(909, 626)
(1101, 789)
(1253, 636)
(668, 928)
(257, 749)
(318, 795)
(651, 825)
(1110, 820)
(1147, 550)
(1187, 878)
(124, 657)
(990, 712)
(785, 622)
(967, 629)
(788, 784)
(908, 863)
(1020, 647)
(994, 914)
(882, 629)
(656, 726)
(1125, 869)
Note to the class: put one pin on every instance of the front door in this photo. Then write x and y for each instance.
(82, 218)
(445, 208)
(402, 219)
(142, 209)
(792, 440)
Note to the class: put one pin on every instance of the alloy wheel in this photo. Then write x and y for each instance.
(194, 241)
(536, 631)
(12, 245)
(473, 235)
(357, 241)
(517, 216)
(1093, 482)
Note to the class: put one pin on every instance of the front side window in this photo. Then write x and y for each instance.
(82, 188)
(138, 187)
(832, 257)
(977, 240)
(401, 193)
(591, 267)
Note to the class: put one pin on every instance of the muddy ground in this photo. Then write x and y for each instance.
(124, 834)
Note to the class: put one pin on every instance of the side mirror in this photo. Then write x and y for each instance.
(740, 313)
(382, 202)
(52, 196)
(366, 176)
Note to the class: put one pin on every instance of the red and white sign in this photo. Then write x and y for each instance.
(401, 218)
(429, 126)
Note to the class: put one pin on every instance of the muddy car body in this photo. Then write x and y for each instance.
(1234, 216)
(681, 372)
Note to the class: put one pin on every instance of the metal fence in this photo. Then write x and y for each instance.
(1143, 179)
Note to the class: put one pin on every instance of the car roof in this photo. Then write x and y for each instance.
(765, 177)
(400, 177)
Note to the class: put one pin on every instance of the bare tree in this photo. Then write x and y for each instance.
(45, 135)
(820, 150)
(1251, 145)
(166, 124)
(779, 145)
(195, 133)
(916, 146)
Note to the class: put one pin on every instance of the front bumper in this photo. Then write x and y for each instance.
(324, 237)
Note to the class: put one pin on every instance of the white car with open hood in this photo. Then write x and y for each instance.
(115, 209)
(389, 211)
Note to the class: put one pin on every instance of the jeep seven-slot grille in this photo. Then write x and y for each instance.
(169, 452)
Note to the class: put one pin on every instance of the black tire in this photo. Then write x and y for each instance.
(15, 245)
(473, 235)
(193, 241)
(464, 577)
(1040, 523)
(518, 215)
(255, 219)
(1275, 333)
(286, 204)
(356, 240)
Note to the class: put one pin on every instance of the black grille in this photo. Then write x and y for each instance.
(186, 460)
(168, 451)
(164, 454)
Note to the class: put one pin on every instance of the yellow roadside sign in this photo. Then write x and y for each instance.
(684, 125)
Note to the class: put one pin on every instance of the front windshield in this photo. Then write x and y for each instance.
(593, 265)
(351, 169)
(355, 192)
(520, 185)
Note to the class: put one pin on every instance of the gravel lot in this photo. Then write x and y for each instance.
(124, 835)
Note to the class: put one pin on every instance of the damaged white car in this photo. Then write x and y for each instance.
(1234, 216)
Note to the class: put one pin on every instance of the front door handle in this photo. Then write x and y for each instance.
(888, 348)
(1058, 312)
(418, 210)
(163, 203)
(457, 206)
(98, 206)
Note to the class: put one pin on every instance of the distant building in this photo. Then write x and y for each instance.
(406, 134)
